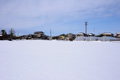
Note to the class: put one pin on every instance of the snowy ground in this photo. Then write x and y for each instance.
(59, 60)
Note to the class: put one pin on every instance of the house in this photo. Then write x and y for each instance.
(30, 36)
(70, 36)
(38, 34)
(4, 35)
(107, 34)
(61, 37)
(0, 36)
(91, 34)
(118, 34)
(81, 34)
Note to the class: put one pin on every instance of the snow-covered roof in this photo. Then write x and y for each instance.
(108, 33)
(90, 34)
(118, 32)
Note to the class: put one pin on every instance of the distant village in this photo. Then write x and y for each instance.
(40, 35)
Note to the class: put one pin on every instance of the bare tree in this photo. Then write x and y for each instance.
(3, 32)
(12, 33)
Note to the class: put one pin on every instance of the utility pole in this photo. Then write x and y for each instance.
(50, 34)
(94, 30)
(86, 27)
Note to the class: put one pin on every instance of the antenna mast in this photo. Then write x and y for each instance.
(86, 27)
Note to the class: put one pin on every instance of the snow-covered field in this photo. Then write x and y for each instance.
(59, 60)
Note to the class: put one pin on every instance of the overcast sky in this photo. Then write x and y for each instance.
(61, 16)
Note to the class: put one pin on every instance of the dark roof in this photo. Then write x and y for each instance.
(70, 34)
(37, 32)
